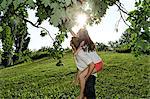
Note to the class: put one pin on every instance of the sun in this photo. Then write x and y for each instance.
(81, 19)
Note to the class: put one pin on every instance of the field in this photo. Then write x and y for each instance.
(123, 77)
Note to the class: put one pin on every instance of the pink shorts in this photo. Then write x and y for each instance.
(99, 66)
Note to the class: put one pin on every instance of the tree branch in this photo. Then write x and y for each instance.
(37, 26)
(121, 8)
(123, 19)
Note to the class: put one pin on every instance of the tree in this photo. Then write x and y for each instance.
(62, 13)
(13, 19)
(140, 27)
(101, 47)
(7, 47)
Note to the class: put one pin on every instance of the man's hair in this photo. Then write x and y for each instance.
(75, 41)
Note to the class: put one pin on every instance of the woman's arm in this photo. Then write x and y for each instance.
(72, 33)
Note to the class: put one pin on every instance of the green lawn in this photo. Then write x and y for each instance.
(123, 77)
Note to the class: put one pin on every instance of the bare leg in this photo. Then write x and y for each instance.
(82, 81)
(77, 77)
(82, 86)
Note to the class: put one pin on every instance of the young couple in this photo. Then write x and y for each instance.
(87, 60)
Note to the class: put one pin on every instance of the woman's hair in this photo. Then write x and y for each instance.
(83, 36)
(75, 41)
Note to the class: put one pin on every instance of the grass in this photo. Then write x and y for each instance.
(123, 77)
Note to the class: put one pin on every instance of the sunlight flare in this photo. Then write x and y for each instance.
(81, 19)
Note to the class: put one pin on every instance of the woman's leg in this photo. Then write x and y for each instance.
(82, 81)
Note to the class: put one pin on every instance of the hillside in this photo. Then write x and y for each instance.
(123, 76)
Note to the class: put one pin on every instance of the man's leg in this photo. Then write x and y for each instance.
(89, 91)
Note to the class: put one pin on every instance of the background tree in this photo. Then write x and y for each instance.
(13, 19)
(61, 14)
(7, 46)
(21, 41)
(101, 47)
(140, 27)
(123, 44)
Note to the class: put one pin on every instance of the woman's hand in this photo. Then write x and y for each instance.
(72, 33)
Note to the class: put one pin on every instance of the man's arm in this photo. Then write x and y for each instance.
(90, 70)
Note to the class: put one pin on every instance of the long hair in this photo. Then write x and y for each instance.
(83, 36)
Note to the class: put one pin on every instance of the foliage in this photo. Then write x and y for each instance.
(136, 37)
(123, 76)
(58, 50)
(21, 41)
(41, 53)
(60, 13)
(7, 46)
(12, 14)
(140, 27)
(101, 47)
(123, 44)
(22, 57)
(114, 44)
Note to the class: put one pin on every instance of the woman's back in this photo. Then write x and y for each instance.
(94, 56)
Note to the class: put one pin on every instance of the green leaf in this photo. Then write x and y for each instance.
(68, 2)
(46, 3)
(1, 29)
(9, 2)
(54, 6)
(16, 3)
(4, 4)
(1, 1)
(54, 20)
(57, 16)
(31, 3)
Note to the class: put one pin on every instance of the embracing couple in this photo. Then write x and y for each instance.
(87, 61)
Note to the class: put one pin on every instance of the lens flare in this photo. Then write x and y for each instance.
(81, 20)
